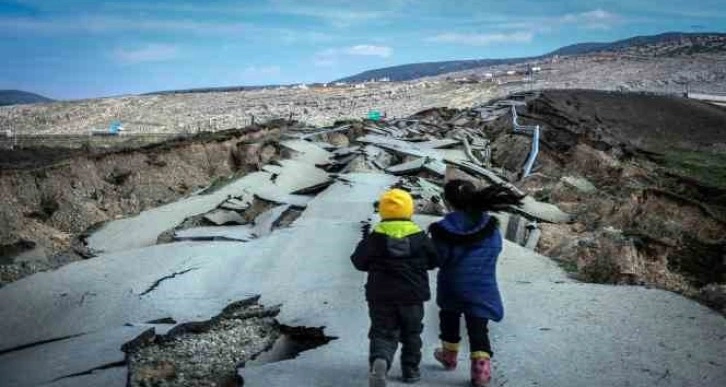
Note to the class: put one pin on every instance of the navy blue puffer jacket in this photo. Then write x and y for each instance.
(468, 247)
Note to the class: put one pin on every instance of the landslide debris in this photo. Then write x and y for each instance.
(643, 175)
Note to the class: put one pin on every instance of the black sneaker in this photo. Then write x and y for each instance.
(377, 377)
(411, 375)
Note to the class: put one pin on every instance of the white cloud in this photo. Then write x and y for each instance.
(524, 29)
(337, 13)
(261, 72)
(331, 56)
(370, 50)
(595, 19)
(111, 24)
(483, 39)
(148, 53)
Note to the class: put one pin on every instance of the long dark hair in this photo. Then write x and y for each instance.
(462, 195)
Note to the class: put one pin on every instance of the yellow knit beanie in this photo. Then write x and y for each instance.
(395, 204)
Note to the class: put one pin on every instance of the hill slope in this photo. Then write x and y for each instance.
(16, 97)
(668, 43)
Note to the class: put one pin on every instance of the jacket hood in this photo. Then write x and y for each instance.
(460, 227)
(461, 223)
(397, 229)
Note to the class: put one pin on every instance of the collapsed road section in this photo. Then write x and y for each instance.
(165, 284)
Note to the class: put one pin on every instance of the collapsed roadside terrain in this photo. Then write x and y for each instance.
(644, 176)
(52, 196)
(166, 291)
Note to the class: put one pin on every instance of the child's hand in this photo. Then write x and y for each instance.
(366, 227)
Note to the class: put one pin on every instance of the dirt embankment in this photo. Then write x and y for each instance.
(47, 207)
(645, 176)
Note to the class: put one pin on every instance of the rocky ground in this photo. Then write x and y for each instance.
(216, 111)
(673, 72)
(190, 354)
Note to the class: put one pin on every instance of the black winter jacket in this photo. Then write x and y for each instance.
(396, 256)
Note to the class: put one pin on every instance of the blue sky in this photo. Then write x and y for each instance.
(70, 49)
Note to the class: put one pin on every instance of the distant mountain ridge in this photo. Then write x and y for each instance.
(418, 70)
(17, 97)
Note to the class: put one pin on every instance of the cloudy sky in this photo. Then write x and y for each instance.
(72, 49)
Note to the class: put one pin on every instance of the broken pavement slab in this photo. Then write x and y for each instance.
(342, 152)
(224, 217)
(436, 167)
(307, 152)
(435, 144)
(579, 183)
(275, 196)
(236, 204)
(66, 362)
(266, 220)
(477, 170)
(233, 233)
(108, 377)
(298, 176)
(543, 211)
(143, 229)
(407, 168)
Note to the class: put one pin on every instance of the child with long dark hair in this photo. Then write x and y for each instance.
(468, 242)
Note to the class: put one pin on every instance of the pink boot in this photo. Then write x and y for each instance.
(481, 369)
(447, 355)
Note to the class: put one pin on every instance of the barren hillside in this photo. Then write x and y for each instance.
(324, 105)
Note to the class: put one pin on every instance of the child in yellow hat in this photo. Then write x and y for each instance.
(396, 256)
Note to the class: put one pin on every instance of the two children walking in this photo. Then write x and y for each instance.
(397, 255)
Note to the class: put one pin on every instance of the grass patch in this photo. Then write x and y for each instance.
(567, 266)
(708, 168)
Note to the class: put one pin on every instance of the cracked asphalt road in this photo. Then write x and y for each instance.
(556, 331)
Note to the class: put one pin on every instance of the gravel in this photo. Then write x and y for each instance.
(208, 358)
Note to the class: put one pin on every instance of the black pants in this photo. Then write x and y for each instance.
(476, 327)
(391, 324)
